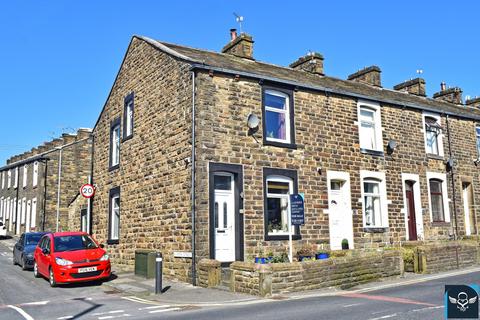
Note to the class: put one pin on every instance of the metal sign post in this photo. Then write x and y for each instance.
(296, 216)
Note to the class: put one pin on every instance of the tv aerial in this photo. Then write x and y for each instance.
(239, 20)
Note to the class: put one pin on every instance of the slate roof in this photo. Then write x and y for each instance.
(231, 64)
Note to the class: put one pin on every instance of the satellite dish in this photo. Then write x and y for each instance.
(252, 121)
(392, 144)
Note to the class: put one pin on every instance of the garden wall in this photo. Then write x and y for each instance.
(440, 257)
(344, 272)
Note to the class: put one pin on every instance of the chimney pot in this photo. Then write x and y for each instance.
(443, 86)
(233, 34)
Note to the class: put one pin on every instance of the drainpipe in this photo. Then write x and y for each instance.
(192, 191)
(45, 194)
(90, 200)
(58, 184)
(455, 231)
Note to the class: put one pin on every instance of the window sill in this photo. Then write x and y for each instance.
(375, 229)
(282, 237)
(435, 156)
(279, 144)
(115, 167)
(127, 138)
(440, 224)
(112, 241)
(375, 153)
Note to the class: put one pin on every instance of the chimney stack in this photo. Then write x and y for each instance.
(473, 102)
(452, 95)
(369, 75)
(240, 46)
(312, 63)
(414, 86)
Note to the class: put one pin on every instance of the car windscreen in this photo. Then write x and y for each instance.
(32, 239)
(73, 243)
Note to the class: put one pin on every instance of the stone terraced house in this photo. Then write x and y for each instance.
(376, 166)
(29, 197)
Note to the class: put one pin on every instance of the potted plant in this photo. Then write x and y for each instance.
(306, 252)
(345, 244)
(321, 253)
(260, 257)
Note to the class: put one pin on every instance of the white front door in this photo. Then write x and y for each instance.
(340, 213)
(224, 217)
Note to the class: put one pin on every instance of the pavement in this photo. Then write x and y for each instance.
(126, 296)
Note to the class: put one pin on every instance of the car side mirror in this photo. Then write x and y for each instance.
(102, 245)
(45, 251)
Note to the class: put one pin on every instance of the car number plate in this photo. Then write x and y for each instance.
(88, 269)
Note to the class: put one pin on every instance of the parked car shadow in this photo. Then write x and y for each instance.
(5, 237)
(95, 283)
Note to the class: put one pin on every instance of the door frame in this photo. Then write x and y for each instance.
(418, 205)
(343, 176)
(237, 172)
(464, 179)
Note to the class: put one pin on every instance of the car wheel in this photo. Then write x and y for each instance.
(23, 264)
(35, 270)
(51, 279)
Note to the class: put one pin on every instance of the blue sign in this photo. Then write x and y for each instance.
(297, 209)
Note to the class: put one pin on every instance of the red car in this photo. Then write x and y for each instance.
(65, 257)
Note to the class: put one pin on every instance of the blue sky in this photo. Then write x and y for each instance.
(58, 59)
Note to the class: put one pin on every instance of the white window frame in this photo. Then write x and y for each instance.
(23, 211)
(25, 175)
(114, 228)
(363, 104)
(2, 214)
(283, 179)
(15, 182)
(286, 111)
(380, 178)
(129, 118)
(33, 221)
(35, 174)
(438, 118)
(9, 178)
(28, 216)
(115, 146)
(14, 208)
(477, 134)
(446, 208)
(3, 179)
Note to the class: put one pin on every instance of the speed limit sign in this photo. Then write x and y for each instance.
(87, 191)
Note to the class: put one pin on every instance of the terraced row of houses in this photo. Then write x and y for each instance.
(195, 153)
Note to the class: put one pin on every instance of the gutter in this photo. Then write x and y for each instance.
(455, 231)
(192, 191)
(327, 90)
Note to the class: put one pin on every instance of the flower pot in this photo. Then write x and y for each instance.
(261, 260)
(321, 256)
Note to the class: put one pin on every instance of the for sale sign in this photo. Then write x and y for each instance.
(297, 209)
(87, 191)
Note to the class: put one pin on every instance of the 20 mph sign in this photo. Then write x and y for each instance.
(87, 191)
